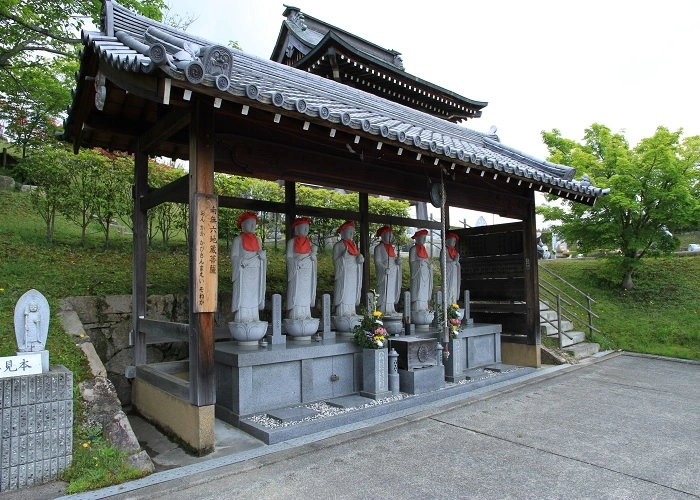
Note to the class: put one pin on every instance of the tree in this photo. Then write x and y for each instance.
(166, 217)
(117, 172)
(653, 192)
(38, 55)
(33, 99)
(49, 172)
(85, 172)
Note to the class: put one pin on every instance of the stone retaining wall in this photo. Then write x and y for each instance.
(107, 323)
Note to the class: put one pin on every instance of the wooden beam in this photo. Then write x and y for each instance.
(532, 289)
(273, 160)
(175, 191)
(166, 127)
(140, 244)
(252, 205)
(365, 238)
(201, 331)
(290, 201)
(157, 331)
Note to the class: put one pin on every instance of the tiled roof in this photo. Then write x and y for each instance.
(133, 43)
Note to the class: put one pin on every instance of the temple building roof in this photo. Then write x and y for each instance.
(129, 47)
(313, 45)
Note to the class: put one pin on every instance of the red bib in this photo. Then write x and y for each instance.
(452, 251)
(389, 249)
(352, 248)
(421, 251)
(302, 244)
(250, 242)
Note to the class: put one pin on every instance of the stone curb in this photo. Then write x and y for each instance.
(73, 326)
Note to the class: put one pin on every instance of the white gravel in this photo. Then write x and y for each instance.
(327, 410)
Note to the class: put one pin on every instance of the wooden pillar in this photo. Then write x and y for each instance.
(290, 201)
(364, 243)
(202, 289)
(532, 290)
(140, 243)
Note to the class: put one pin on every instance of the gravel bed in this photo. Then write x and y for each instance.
(324, 410)
(327, 410)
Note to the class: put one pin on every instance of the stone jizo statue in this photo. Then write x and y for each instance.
(301, 271)
(453, 269)
(421, 274)
(31, 322)
(347, 261)
(249, 263)
(388, 268)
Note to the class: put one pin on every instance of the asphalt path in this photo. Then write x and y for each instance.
(621, 426)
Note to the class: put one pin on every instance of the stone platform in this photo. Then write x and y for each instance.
(354, 409)
(253, 380)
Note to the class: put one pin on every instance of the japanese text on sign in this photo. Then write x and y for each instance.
(206, 239)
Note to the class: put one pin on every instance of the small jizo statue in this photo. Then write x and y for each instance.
(388, 267)
(347, 261)
(249, 264)
(421, 273)
(31, 322)
(453, 269)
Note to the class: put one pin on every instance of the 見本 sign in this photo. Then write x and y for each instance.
(24, 364)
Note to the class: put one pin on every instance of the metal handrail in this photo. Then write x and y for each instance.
(568, 296)
(567, 306)
(564, 281)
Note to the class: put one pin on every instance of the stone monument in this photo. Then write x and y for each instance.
(249, 264)
(301, 282)
(388, 267)
(36, 403)
(421, 281)
(348, 262)
(453, 269)
(32, 325)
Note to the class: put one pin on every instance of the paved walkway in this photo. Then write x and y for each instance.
(622, 426)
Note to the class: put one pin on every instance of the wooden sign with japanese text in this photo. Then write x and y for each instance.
(206, 241)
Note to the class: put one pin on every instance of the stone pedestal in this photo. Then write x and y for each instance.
(280, 376)
(475, 346)
(375, 373)
(422, 380)
(415, 352)
(36, 438)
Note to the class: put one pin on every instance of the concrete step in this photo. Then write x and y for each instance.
(548, 314)
(583, 350)
(547, 329)
(576, 338)
(543, 306)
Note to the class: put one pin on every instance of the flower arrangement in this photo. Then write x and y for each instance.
(370, 333)
(453, 318)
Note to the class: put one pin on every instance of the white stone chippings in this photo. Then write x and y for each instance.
(324, 410)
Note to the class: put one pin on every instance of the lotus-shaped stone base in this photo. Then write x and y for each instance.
(301, 329)
(345, 324)
(422, 317)
(248, 333)
(393, 324)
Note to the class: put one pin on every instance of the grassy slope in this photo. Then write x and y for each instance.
(660, 316)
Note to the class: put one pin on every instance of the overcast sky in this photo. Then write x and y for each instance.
(540, 64)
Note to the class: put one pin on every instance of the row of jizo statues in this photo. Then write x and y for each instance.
(249, 264)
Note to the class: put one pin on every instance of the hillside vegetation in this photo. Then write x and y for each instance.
(661, 315)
